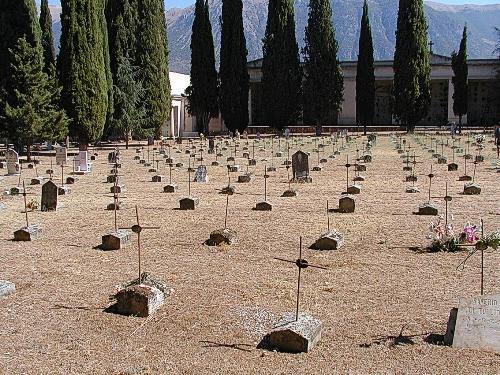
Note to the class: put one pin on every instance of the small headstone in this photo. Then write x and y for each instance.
(70, 180)
(367, 158)
(6, 288)
(234, 168)
(478, 323)
(412, 189)
(360, 168)
(222, 236)
(13, 166)
(49, 196)
(442, 160)
(294, 336)
(354, 189)
(263, 206)
(229, 190)
(347, 203)
(252, 162)
(114, 206)
(179, 165)
(37, 181)
(61, 156)
(188, 203)
(115, 240)
(28, 233)
(111, 179)
(317, 168)
(465, 178)
(450, 327)
(452, 167)
(331, 240)
(245, 178)
(64, 190)
(290, 193)
(358, 178)
(411, 178)
(427, 209)
(472, 189)
(300, 166)
(201, 174)
(157, 178)
(170, 188)
(139, 300)
(117, 189)
(479, 158)
(16, 190)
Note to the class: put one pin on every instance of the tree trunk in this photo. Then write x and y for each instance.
(28, 152)
(126, 141)
(459, 124)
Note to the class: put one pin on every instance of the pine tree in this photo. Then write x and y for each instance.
(281, 71)
(129, 115)
(365, 74)
(31, 110)
(107, 67)
(412, 94)
(18, 18)
(202, 93)
(234, 79)
(49, 54)
(152, 60)
(324, 83)
(459, 79)
(82, 68)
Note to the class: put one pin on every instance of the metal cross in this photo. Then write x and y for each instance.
(137, 228)
(478, 246)
(431, 176)
(266, 176)
(301, 264)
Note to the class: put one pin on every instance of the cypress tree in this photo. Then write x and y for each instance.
(412, 93)
(202, 93)
(152, 60)
(107, 67)
(459, 79)
(365, 74)
(281, 71)
(31, 109)
(324, 83)
(234, 79)
(49, 54)
(82, 68)
(18, 19)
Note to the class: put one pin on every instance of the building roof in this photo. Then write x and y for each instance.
(178, 83)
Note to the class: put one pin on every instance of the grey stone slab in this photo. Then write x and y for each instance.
(263, 206)
(296, 336)
(354, 189)
(6, 288)
(12, 158)
(331, 240)
(472, 189)
(139, 300)
(116, 240)
(347, 203)
(222, 236)
(452, 167)
(289, 193)
(428, 209)
(28, 233)
(64, 190)
(245, 178)
(478, 323)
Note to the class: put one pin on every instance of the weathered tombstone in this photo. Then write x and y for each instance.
(83, 163)
(331, 240)
(201, 174)
(6, 288)
(354, 189)
(115, 240)
(472, 189)
(157, 178)
(29, 233)
(245, 178)
(478, 323)
(188, 203)
(61, 156)
(49, 196)
(117, 189)
(13, 166)
(300, 167)
(428, 209)
(296, 335)
(347, 203)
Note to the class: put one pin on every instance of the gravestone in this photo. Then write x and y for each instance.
(201, 174)
(296, 336)
(157, 178)
(354, 189)
(347, 203)
(427, 209)
(478, 323)
(28, 233)
(222, 236)
(452, 167)
(82, 162)
(170, 188)
(139, 300)
(211, 146)
(188, 203)
(263, 206)
(115, 240)
(245, 178)
(331, 240)
(63, 190)
(472, 189)
(12, 157)
(37, 180)
(300, 167)
(61, 156)
(49, 196)
(6, 288)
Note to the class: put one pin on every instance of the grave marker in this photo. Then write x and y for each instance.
(300, 167)
(13, 166)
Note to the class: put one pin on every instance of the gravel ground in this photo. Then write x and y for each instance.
(225, 299)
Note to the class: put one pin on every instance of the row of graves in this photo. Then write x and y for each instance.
(474, 324)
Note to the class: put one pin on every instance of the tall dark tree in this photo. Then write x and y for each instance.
(18, 19)
(49, 54)
(365, 74)
(234, 79)
(129, 115)
(281, 71)
(82, 68)
(459, 80)
(31, 110)
(202, 93)
(107, 67)
(152, 60)
(412, 84)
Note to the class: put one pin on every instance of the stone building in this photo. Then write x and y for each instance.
(483, 107)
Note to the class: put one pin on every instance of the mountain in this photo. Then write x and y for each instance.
(445, 28)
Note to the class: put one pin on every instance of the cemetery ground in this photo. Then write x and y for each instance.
(225, 299)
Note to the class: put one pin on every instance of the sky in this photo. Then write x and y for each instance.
(185, 3)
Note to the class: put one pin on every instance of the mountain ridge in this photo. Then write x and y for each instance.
(445, 28)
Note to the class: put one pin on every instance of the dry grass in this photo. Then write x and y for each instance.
(225, 299)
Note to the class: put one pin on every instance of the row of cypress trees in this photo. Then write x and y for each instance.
(111, 74)
(317, 91)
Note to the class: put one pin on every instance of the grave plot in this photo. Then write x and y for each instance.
(232, 297)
